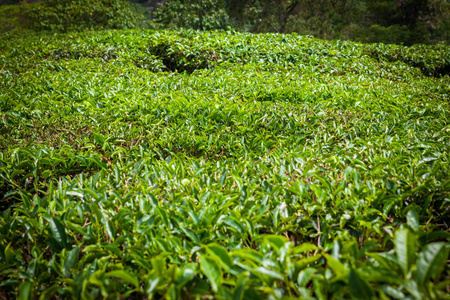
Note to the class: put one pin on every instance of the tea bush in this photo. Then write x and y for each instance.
(80, 15)
(10, 18)
(222, 165)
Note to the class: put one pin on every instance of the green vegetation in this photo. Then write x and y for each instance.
(222, 165)
(406, 22)
(198, 15)
(11, 18)
(389, 21)
(69, 15)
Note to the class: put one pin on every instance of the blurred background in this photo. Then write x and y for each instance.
(404, 22)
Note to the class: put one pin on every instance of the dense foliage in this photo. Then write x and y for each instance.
(222, 165)
(405, 22)
(69, 15)
(201, 15)
(10, 18)
(389, 21)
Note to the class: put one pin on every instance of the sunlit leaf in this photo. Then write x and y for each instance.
(212, 271)
(123, 276)
(405, 248)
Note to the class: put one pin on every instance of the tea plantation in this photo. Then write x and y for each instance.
(222, 165)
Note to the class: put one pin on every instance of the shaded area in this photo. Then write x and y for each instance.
(405, 22)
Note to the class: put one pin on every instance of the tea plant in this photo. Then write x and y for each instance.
(222, 165)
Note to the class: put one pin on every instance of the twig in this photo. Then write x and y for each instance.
(266, 155)
(137, 143)
(318, 227)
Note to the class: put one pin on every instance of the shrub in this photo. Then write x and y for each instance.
(264, 166)
(10, 18)
(78, 15)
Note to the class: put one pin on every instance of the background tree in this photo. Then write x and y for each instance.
(389, 21)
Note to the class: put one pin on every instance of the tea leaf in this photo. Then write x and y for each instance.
(58, 231)
(405, 248)
(431, 261)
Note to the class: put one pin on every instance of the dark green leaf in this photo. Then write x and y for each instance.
(58, 231)
(359, 287)
(431, 262)
(71, 260)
